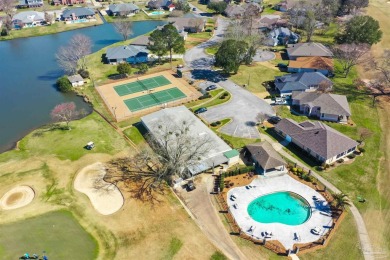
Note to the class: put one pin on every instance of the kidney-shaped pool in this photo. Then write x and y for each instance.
(280, 207)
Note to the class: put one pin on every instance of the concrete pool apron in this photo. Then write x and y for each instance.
(285, 234)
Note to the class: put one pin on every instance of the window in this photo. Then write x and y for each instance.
(322, 114)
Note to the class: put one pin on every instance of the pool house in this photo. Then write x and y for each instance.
(265, 159)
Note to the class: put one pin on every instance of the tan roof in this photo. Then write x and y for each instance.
(312, 63)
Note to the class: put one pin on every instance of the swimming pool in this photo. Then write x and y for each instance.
(157, 13)
(280, 207)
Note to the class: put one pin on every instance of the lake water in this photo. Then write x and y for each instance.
(28, 72)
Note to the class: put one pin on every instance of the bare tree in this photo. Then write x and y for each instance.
(64, 112)
(251, 12)
(73, 56)
(261, 117)
(296, 14)
(309, 24)
(175, 151)
(197, 23)
(325, 86)
(350, 55)
(49, 17)
(364, 133)
(124, 28)
(8, 7)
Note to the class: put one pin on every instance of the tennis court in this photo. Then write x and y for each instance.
(154, 99)
(141, 85)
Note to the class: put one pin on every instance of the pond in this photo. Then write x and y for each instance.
(28, 72)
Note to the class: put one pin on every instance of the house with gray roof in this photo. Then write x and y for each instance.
(328, 107)
(320, 141)
(192, 25)
(125, 9)
(142, 40)
(131, 53)
(30, 3)
(269, 22)
(217, 152)
(282, 36)
(265, 158)
(161, 4)
(284, 5)
(28, 19)
(308, 49)
(78, 13)
(76, 80)
(304, 81)
(234, 11)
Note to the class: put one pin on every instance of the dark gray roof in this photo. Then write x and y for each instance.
(265, 155)
(78, 11)
(142, 40)
(299, 81)
(308, 49)
(124, 52)
(317, 136)
(329, 103)
(159, 3)
(127, 7)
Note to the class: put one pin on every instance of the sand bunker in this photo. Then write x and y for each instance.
(17, 197)
(105, 197)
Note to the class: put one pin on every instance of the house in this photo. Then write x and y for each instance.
(181, 31)
(67, 2)
(308, 49)
(30, 3)
(284, 5)
(265, 158)
(28, 19)
(78, 13)
(320, 141)
(270, 21)
(218, 151)
(282, 36)
(234, 11)
(126, 9)
(311, 64)
(192, 25)
(303, 82)
(329, 107)
(131, 53)
(76, 80)
(142, 40)
(161, 4)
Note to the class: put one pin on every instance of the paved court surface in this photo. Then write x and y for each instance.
(141, 85)
(263, 56)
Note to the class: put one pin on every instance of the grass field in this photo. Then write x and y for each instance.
(58, 233)
(69, 144)
(256, 74)
(54, 28)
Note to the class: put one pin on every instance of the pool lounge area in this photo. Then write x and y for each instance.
(280, 208)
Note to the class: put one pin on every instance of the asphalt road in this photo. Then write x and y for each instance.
(243, 107)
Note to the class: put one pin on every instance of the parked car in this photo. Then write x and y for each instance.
(211, 87)
(274, 119)
(200, 110)
(90, 145)
(190, 185)
(194, 9)
(179, 66)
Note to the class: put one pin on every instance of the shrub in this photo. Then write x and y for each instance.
(4, 32)
(64, 85)
(214, 124)
(84, 73)
(143, 68)
(361, 149)
(351, 156)
(218, 122)
(300, 170)
(225, 94)
(124, 68)
(340, 160)
(294, 170)
(268, 97)
(222, 97)
(306, 177)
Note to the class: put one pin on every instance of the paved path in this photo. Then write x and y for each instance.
(206, 216)
(243, 107)
(365, 243)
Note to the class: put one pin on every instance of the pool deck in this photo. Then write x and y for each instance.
(285, 234)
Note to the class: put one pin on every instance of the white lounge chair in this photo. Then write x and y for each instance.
(316, 230)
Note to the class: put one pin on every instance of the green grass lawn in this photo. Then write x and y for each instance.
(201, 7)
(213, 94)
(135, 134)
(342, 245)
(58, 233)
(256, 74)
(141, 16)
(69, 144)
(43, 30)
(214, 102)
(212, 50)
(218, 256)
(201, 35)
(326, 37)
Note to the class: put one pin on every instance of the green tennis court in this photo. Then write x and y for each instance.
(141, 85)
(157, 98)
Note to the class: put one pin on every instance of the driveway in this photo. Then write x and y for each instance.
(243, 107)
(206, 216)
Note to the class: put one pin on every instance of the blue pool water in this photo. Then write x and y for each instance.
(157, 12)
(280, 207)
